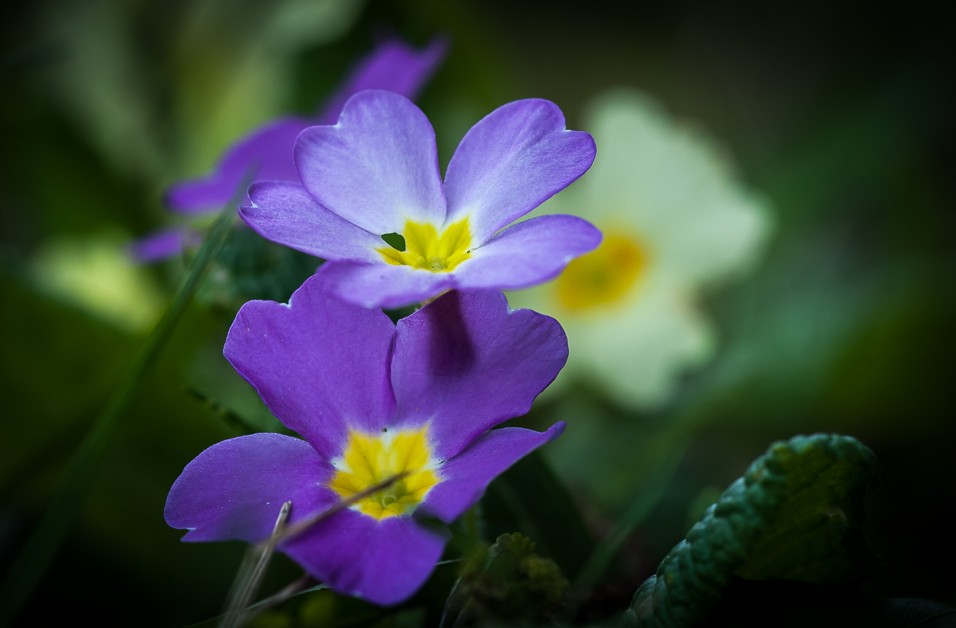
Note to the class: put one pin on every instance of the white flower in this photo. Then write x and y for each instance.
(674, 220)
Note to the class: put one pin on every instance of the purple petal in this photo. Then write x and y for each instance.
(392, 66)
(234, 489)
(319, 364)
(384, 561)
(529, 253)
(162, 244)
(377, 167)
(286, 213)
(466, 476)
(384, 285)
(467, 363)
(513, 160)
(265, 154)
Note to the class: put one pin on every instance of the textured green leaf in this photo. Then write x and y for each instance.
(794, 516)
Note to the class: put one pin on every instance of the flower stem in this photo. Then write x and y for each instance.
(43, 543)
(671, 444)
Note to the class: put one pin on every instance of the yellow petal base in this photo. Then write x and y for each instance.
(604, 276)
(426, 249)
(373, 458)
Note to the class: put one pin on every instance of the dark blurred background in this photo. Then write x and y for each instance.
(839, 114)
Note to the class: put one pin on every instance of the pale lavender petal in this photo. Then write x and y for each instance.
(163, 244)
(377, 167)
(286, 213)
(265, 154)
(319, 364)
(384, 285)
(384, 561)
(234, 489)
(513, 160)
(529, 253)
(466, 362)
(466, 476)
(393, 66)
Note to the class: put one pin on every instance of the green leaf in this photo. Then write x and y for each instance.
(395, 240)
(794, 515)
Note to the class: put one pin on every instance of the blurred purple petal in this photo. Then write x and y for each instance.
(529, 253)
(382, 561)
(467, 362)
(234, 489)
(377, 167)
(510, 162)
(285, 212)
(163, 244)
(319, 364)
(393, 66)
(466, 476)
(265, 154)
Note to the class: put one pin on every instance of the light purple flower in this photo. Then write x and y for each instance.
(376, 173)
(266, 153)
(371, 399)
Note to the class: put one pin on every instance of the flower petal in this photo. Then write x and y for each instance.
(384, 561)
(384, 285)
(393, 66)
(286, 213)
(529, 253)
(466, 363)
(319, 364)
(265, 154)
(673, 184)
(234, 489)
(377, 167)
(162, 244)
(466, 476)
(513, 160)
(637, 354)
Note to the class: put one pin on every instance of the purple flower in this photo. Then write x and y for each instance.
(376, 173)
(371, 399)
(266, 153)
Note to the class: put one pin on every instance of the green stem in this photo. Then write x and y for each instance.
(45, 540)
(672, 443)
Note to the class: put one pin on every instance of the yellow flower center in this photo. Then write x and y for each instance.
(370, 459)
(428, 250)
(603, 276)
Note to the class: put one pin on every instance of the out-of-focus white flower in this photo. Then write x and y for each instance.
(674, 220)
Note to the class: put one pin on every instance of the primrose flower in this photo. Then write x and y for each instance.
(675, 221)
(371, 201)
(371, 399)
(266, 153)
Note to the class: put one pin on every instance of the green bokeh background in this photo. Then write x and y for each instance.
(840, 115)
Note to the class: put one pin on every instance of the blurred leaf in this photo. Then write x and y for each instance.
(510, 584)
(96, 274)
(530, 498)
(794, 515)
(785, 604)
(250, 267)
(45, 539)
